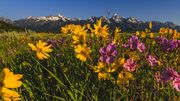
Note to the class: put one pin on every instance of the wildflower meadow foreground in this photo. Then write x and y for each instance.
(90, 62)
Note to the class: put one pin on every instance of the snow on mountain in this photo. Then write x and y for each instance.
(48, 18)
(53, 23)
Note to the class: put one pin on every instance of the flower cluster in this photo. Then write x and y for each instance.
(82, 52)
(152, 60)
(124, 77)
(168, 45)
(99, 30)
(115, 64)
(134, 43)
(79, 34)
(9, 81)
(170, 33)
(130, 65)
(169, 74)
(42, 49)
(108, 53)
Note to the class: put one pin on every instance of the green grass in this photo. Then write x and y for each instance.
(64, 77)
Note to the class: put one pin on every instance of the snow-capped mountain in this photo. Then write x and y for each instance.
(5, 20)
(53, 23)
(48, 18)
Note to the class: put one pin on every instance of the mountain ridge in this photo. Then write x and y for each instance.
(53, 23)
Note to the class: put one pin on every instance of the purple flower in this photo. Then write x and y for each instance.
(108, 53)
(125, 45)
(130, 65)
(167, 45)
(176, 84)
(134, 43)
(141, 47)
(52, 42)
(168, 74)
(152, 60)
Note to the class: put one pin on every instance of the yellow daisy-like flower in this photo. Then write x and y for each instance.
(147, 30)
(116, 35)
(100, 67)
(150, 25)
(137, 33)
(153, 42)
(171, 31)
(143, 35)
(88, 26)
(117, 31)
(121, 61)
(151, 35)
(161, 31)
(68, 28)
(124, 77)
(104, 76)
(82, 52)
(176, 34)
(99, 30)
(9, 80)
(41, 49)
(65, 29)
(79, 34)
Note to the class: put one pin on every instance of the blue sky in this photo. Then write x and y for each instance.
(159, 10)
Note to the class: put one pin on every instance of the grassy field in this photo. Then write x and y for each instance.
(64, 76)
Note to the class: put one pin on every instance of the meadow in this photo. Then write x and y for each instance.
(90, 62)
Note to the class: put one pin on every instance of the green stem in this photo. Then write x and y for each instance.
(58, 80)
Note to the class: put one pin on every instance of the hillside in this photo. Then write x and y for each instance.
(8, 27)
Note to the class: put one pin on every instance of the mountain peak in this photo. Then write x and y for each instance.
(6, 20)
(48, 18)
(53, 23)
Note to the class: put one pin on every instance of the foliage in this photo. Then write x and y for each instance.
(85, 65)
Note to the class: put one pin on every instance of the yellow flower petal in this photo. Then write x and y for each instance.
(81, 57)
(12, 84)
(7, 93)
(47, 49)
(40, 55)
(32, 47)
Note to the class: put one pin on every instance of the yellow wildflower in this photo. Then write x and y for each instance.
(147, 30)
(166, 30)
(124, 77)
(116, 35)
(171, 31)
(9, 80)
(82, 52)
(176, 34)
(151, 35)
(41, 49)
(159, 63)
(65, 29)
(137, 33)
(117, 31)
(104, 76)
(100, 67)
(153, 42)
(161, 31)
(121, 61)
(150, 25)
(99, 30)
(143, 35)
(79, 34)
(88, 26)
